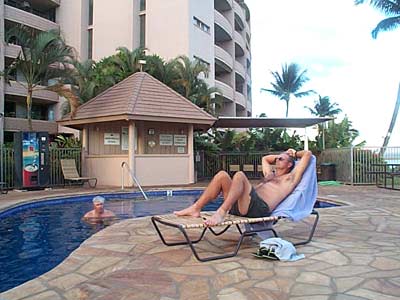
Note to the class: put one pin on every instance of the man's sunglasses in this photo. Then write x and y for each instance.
(280, 158)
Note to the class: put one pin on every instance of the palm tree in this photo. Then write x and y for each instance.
(44, 58)
(207, 97)
(288, 83)
(163, 71)
(127, 61)
(391, 8)
(342, 134)
(188, 73)
(392, 123)
(324, 108)
(82, 80)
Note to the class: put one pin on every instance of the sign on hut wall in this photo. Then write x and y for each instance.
(180, 140)
(125, 138)
(111, 138)
(166, 139)
(163, 138)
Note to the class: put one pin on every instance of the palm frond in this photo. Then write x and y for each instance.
(67, 93)
(304, 94)
(386, 25)
(388, 7)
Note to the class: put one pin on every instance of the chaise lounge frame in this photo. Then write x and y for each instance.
(186, 223)
(71, 174)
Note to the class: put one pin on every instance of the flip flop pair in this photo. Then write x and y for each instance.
(266, 253)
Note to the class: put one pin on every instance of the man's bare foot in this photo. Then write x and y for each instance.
(215, 219)
(190, 211)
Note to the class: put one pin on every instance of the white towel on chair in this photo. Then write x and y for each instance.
(284, 250)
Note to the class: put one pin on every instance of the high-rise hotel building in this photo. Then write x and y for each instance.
(216, 32)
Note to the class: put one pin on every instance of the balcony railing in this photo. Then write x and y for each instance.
(239, 11)
(240, 99)
(223, 5)
(249, 106)
(239, 40)
(223, 23)
(16, 89)
(12, 50)
(240, 69)
(19, 124)
(50, 14)
(222, 55)
(226, 90)
(29, 19)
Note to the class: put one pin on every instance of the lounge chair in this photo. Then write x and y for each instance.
(71, 174)
(298, 205)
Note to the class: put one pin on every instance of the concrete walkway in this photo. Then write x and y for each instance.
(355, 254)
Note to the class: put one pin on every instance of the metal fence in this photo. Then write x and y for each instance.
(355, 165)
(7, 166)
(56, 176)
(352, 165)
(207, 165)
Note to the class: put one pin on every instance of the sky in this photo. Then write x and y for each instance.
(332, 40)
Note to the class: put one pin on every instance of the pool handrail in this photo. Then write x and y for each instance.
(133, 178)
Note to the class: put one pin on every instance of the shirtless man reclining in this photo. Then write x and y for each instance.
(242, 199)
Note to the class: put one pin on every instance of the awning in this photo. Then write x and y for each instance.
(246, 122)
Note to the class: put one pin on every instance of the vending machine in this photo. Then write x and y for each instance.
(32, 166)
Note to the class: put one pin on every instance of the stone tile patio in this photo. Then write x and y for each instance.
(355, 254)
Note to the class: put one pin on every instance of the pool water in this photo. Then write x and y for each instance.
(34, 238)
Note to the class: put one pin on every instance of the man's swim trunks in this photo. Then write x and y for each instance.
(257, 207)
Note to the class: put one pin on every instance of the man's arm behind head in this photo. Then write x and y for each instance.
(301, 165)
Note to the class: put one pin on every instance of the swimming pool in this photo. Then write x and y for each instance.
(36, 237)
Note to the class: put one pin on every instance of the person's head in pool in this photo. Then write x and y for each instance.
(98, 209)
(98, 204)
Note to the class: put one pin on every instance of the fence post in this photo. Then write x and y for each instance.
(352, 164)
(1, 163)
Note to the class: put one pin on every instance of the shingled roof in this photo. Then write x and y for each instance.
(139, 97)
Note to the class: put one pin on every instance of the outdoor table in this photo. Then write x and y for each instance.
(389, 171)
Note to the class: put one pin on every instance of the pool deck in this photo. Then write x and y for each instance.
(355, 254)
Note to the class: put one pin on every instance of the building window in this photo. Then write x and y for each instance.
(10, 109)
(39, 112)
(203, 62)
(203, 26)
(142, 5)
(142, 42)
(90, 43)
(90, 12)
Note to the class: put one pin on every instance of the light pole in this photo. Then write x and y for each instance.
(141, 62)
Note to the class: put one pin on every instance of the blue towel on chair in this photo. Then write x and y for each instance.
(299, 204)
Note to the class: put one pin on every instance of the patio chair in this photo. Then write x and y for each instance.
(71, 174)
(298, 205)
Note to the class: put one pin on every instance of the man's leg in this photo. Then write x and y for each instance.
(221, 182)
(238, 192)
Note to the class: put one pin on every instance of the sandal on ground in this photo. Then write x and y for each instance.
(266, 253)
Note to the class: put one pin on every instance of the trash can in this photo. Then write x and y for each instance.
(328, 172)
